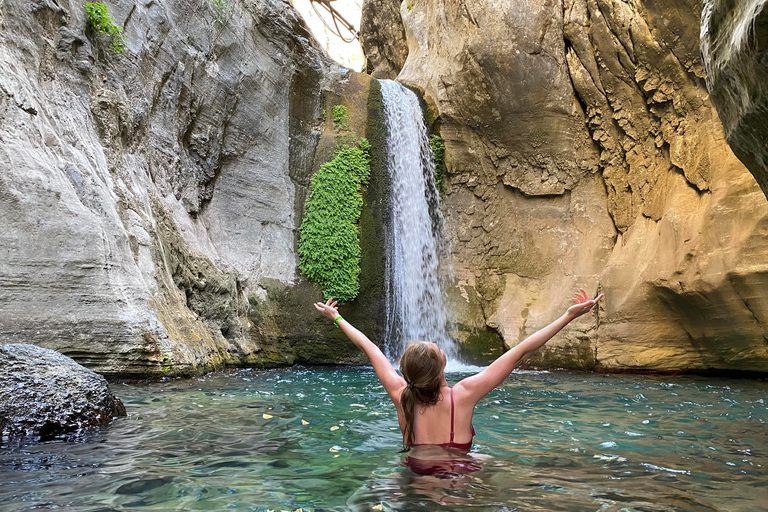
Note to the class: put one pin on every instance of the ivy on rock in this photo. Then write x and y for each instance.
(438, 154)
(340, 117)
(329, 242)
(100, 19)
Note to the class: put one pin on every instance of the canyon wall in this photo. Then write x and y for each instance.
(582, 150)
(150, 200)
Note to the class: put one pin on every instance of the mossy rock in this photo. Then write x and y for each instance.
(327, 351)
(292, 331)
(480, 346)
(288, 327)
(426, 107)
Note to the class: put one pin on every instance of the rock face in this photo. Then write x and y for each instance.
(383, 39)
(44, 394)
(150, 200)
(582, 151)
(734, 47)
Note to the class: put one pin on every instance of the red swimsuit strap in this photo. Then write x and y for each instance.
(451, 442)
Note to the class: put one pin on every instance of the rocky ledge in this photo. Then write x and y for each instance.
(44, 394)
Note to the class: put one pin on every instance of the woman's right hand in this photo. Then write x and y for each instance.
(328, 309)
(582, 304)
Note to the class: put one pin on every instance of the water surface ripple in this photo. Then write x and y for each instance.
(267, 440)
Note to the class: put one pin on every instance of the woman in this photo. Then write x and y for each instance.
(435, 418)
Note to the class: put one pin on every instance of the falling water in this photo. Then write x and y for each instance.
(415, 309)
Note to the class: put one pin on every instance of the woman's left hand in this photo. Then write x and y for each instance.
(582, 304)
(328, 309)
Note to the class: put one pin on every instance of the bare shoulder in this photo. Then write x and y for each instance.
(460, 392)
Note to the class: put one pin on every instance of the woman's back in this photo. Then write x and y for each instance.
(434, 424)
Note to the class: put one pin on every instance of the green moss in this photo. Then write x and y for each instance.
(345, 141)
(376, 131)
(410, 6)
(100, 20)
(481, 347)
(340, 117)
(368, 311)
(438, 155)
(329, 246)
(365, 146)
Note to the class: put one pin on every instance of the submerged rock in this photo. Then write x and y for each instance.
(44, 394)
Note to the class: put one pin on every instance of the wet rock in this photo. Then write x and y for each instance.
(44, 394)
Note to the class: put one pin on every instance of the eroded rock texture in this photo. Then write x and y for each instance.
(150, 200)
(383, 39)
(44, 394)
(582, 151)
(734, 46)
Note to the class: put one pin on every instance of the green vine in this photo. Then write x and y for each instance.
(438, 153)
(101, 21)
(329, 244)
(340, 117)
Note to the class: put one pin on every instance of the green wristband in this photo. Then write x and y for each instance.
(337, 321)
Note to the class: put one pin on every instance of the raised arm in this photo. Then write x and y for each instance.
(389, 378)
(473, 388)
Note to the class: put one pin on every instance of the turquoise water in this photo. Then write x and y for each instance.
(546, 441)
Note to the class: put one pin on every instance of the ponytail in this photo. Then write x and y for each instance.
(422, 369)
(408, 402)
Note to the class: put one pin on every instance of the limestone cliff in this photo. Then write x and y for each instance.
(150, 200)
(582, 150)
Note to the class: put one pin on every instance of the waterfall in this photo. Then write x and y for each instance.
(414, 295)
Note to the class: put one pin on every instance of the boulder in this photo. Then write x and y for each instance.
(44, 394)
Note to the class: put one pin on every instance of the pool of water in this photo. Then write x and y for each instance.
(327, 439)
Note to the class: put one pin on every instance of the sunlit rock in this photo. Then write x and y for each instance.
(582, 150)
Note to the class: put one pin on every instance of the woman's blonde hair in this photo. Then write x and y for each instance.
(422, 368)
